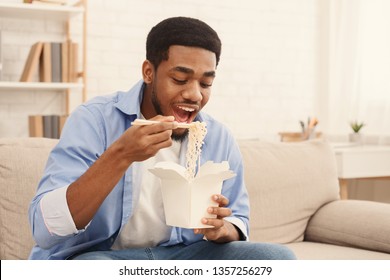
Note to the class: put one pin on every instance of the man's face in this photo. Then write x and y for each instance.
(181, 86)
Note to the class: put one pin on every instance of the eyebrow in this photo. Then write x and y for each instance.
(190, 71)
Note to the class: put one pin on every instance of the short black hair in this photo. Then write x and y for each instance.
(182, 31)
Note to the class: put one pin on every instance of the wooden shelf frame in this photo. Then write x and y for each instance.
(39, 86)
(29, 11)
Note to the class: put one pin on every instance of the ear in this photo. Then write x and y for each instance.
(147, 72)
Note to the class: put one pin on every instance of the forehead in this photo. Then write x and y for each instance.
(191, 57)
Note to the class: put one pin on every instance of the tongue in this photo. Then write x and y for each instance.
(181, 115)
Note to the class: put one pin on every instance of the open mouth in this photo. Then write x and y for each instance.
(184, 112)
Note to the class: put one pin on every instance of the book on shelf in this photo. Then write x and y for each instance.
(65, 62)
(32, 62)
(55, 52)
(48, 126)
(35, 126)
(45, 63)
(73, 61)
(55, 123)
(69, 62)
(57, 62)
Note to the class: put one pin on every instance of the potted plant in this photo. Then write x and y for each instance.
(356, 136)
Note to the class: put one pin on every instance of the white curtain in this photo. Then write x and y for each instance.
(359, 68)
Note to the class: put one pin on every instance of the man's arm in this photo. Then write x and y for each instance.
(136, 144)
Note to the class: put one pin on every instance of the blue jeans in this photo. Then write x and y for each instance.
(202, 250)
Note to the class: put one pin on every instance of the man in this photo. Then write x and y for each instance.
(97, 199)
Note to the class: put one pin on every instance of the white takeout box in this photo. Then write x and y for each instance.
(186, 202)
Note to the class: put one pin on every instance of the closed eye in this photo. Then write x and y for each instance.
(180, 82)
(204, 85)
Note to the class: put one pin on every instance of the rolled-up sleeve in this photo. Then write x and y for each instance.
(49, 216)
(56, 214)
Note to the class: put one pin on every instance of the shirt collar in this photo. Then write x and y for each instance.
(130, 102)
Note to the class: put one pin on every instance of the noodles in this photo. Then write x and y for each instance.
(197, 132)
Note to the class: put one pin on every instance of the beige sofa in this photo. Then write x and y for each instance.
(293, 191)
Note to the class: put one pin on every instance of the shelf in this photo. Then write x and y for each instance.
(39, 86)
(36, 11)
(59, 13)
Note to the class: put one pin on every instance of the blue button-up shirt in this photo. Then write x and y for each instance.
(88, 132)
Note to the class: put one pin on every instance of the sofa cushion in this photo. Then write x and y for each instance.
(353, 223)
(287, 183)
(22, 161)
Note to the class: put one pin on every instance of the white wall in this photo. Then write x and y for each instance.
(267, 77)
(267, 80)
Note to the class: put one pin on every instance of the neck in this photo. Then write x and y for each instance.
(147, 109)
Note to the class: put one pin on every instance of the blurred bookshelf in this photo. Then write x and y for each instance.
(48, 126)
(71, 77)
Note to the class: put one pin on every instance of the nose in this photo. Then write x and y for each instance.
(193, 92)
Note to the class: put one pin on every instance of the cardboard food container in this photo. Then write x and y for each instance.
(185, 201)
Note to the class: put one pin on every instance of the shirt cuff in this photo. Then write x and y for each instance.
(240, 227)
(56, 214)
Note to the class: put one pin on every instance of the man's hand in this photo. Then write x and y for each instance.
(222, 230)
(142, 142)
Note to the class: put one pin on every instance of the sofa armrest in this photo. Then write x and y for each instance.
(353, 223)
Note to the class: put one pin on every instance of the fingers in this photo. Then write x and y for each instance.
(218, 222)
(225, 233)
(143, 142)
(165, 123)
(157, 128)
(220, 199)
(166, 119)
(215, 223)
(148, 145)
(155, 137)
(218, 230)
(155, 133)
(221, 212)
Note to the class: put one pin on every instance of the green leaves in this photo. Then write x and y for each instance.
(357, 126)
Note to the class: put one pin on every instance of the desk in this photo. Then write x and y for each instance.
(361, 162)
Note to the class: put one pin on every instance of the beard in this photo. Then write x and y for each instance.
(179, 137)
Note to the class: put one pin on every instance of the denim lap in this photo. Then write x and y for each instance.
(202, 250)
